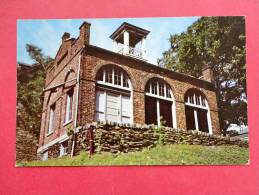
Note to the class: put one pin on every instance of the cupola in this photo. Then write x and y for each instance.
(127, 37)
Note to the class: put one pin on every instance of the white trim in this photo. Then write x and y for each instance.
(69, 101)
(122, 78)
(132, 107)
(104, 75)
(209, 118)
(200, 106)
(112, 85)
(113, 76)
(49, 133)
(196, 106)
(120, 107)
(51, 143)
(159, 97)
(105, 105)
(51, 121)
(66, 123)
(196, 119)
(126, 42)
(158, 112)
(165, 86)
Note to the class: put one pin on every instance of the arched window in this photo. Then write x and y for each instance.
(113, 76)
(159, 103)
(113, 95)
(197, 111)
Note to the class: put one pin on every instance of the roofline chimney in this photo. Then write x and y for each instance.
(84, 35)
(65, 36)
(207, 73)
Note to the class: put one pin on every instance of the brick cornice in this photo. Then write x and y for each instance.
(91, 49)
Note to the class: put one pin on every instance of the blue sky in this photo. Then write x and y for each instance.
(47, 34)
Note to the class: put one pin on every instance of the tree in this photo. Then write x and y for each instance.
(30, 83)
(220, 43)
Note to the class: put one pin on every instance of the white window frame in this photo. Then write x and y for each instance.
(69, 106)
(112, 84)
(196, 106)
(159, 97)
(51, 122)
(123, 75)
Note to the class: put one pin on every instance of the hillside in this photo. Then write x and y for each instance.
(160, 155)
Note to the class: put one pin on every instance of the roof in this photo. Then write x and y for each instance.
(136, 33)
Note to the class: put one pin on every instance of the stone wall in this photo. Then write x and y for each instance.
(53, 151)
(113, 138)
(26, 145)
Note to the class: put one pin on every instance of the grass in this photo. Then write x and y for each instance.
(160, 155)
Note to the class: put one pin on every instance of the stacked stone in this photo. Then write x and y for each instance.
(26, 145)
(115, 138)
(53, 151)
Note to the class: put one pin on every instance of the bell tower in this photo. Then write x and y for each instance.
(126, 39)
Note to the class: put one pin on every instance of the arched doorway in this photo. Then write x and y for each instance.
(197, 111)
(159, 103)
(113, 95)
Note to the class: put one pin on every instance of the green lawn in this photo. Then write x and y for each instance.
(160, 155)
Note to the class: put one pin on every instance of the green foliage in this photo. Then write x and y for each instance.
(70, 130)
(160, 155)
(36, 54)
(30, 83)
(220, 43)
(159, 132)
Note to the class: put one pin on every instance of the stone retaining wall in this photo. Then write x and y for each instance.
(114, 138)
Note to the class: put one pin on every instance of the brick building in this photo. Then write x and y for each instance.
(87, 83)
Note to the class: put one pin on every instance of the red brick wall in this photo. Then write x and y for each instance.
(61, 71)
(139, 74)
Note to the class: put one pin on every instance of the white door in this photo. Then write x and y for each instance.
(126, 109)
(113, 111)
(100, 106)
(113, 107)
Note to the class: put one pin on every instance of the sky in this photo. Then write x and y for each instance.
(46, 34)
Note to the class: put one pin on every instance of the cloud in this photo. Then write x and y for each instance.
(47, 34)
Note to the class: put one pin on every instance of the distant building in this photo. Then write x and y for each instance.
(238, 131)
(87, 83)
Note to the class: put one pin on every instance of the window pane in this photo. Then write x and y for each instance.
(69, 106)
(154, 88)
(197, 99)
(168, 92)
(191, 99)
(161, 89)
(117, 76)
(108, 76)
(52, 118)
(203, 101)
(125, 81)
